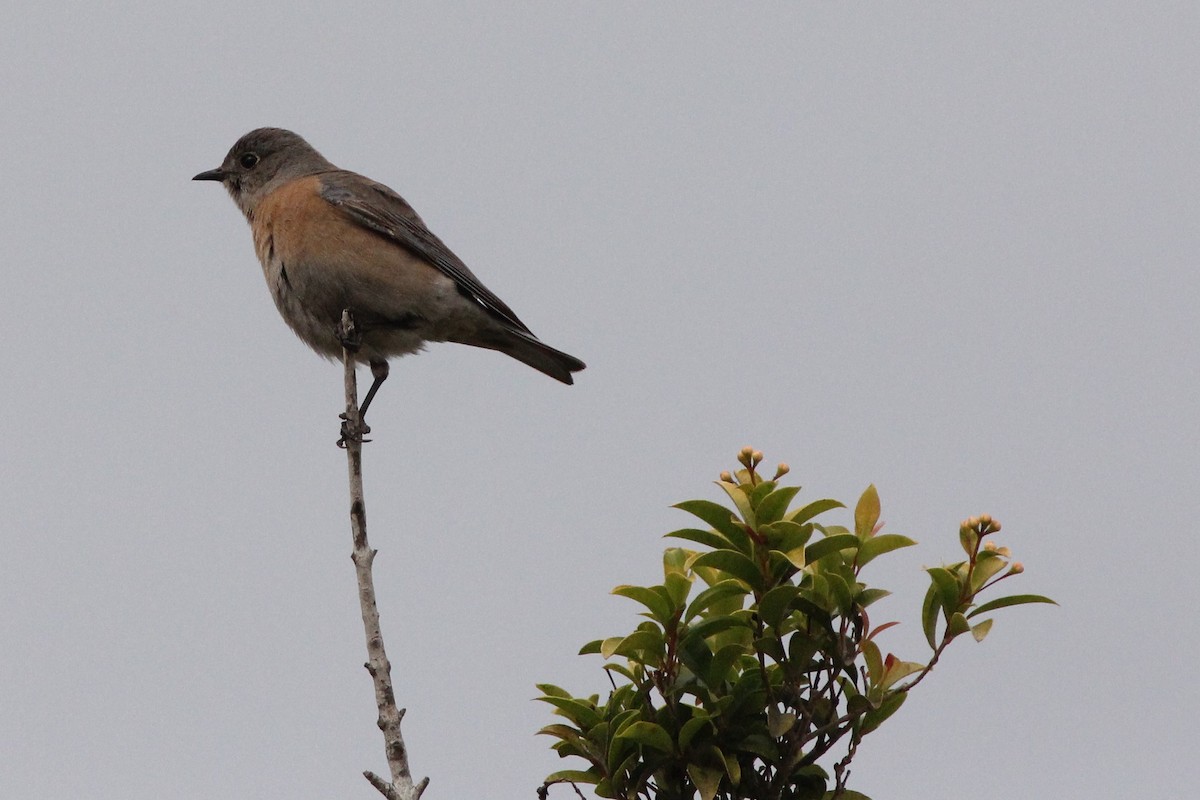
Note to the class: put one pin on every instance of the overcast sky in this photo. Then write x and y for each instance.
(949, 248)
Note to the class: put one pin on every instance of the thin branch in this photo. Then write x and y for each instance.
(401, 786)
(842, 768)
(937, 654)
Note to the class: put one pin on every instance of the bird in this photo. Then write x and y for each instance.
(329, 239)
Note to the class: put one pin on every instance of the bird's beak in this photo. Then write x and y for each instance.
(211, 175)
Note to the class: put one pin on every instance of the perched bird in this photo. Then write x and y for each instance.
(329, 240)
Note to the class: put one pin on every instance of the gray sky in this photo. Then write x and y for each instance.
(950, 249)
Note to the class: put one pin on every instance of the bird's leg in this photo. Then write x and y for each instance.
(351, 339)
(379, 371)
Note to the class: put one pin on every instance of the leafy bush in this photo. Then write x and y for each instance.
(739, 690)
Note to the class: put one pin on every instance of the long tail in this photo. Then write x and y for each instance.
(542, 357)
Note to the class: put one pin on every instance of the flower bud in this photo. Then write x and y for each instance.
(990, 547)
(756, 456)
(781, 470)
(725, 476)
(1016, 569)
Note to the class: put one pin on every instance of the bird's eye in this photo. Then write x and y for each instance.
(248, 160)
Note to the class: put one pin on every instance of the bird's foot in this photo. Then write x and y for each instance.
(352, 431)
(348, 333)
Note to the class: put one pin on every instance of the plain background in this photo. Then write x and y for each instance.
(947, 248)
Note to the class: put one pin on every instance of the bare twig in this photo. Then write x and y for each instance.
(401, 786)
(937, 654)
(842, 768)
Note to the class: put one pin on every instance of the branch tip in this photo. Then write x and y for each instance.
(386, 789)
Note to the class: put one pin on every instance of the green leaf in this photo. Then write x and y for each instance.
(678, 586)
(675, 560)
(625, 719)
(706, 779)
(986, 567)
(759, 744)
(577, 711)
(841, 592)
(733, 564)
(623, 671)
(733, 769)
(774, 605)
(593, 646)
(623, 773)
(567, 749)
(868, 596)
(648, 734)
(981, 630)
(720, 671)
(694, 653)
(866, 513)
(691, 728)
(573, 776)
(874, 661)
(801, 649)
(707, 538)
(809, 782)
(756, 495)
(816, 591)
(949, 590)
(878, 545)
(890, 705)
(830, 544)
(779, 722)
(643, 646)
(929, 614)
(721, 518)
(653, 598)
(958, 624)
(772, 507)
(552, 690)
(737, 493)
(713, 595)
(896, 670)
(795, 556)
(561, 731)
(711, 627)
(784, 536)
(771, 647)
(802, 515)
(1011, 600)
(847, 794)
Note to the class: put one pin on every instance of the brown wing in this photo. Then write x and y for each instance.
(378, 208)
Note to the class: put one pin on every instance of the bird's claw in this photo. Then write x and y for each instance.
(352, 432)
(350, 337)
